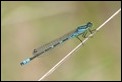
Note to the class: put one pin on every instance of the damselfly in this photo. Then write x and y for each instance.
(81, 30)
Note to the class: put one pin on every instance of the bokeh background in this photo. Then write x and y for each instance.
(28, 25)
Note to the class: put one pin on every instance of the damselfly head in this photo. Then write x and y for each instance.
(89, 24)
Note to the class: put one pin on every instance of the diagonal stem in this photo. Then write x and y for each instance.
(62, 60)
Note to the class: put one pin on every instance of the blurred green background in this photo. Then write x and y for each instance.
(28, 25)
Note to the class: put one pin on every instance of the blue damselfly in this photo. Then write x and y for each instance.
(81, 30)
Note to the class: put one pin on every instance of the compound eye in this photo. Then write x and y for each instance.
(89, 24)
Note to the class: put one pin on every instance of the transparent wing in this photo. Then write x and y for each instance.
(52, 44)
